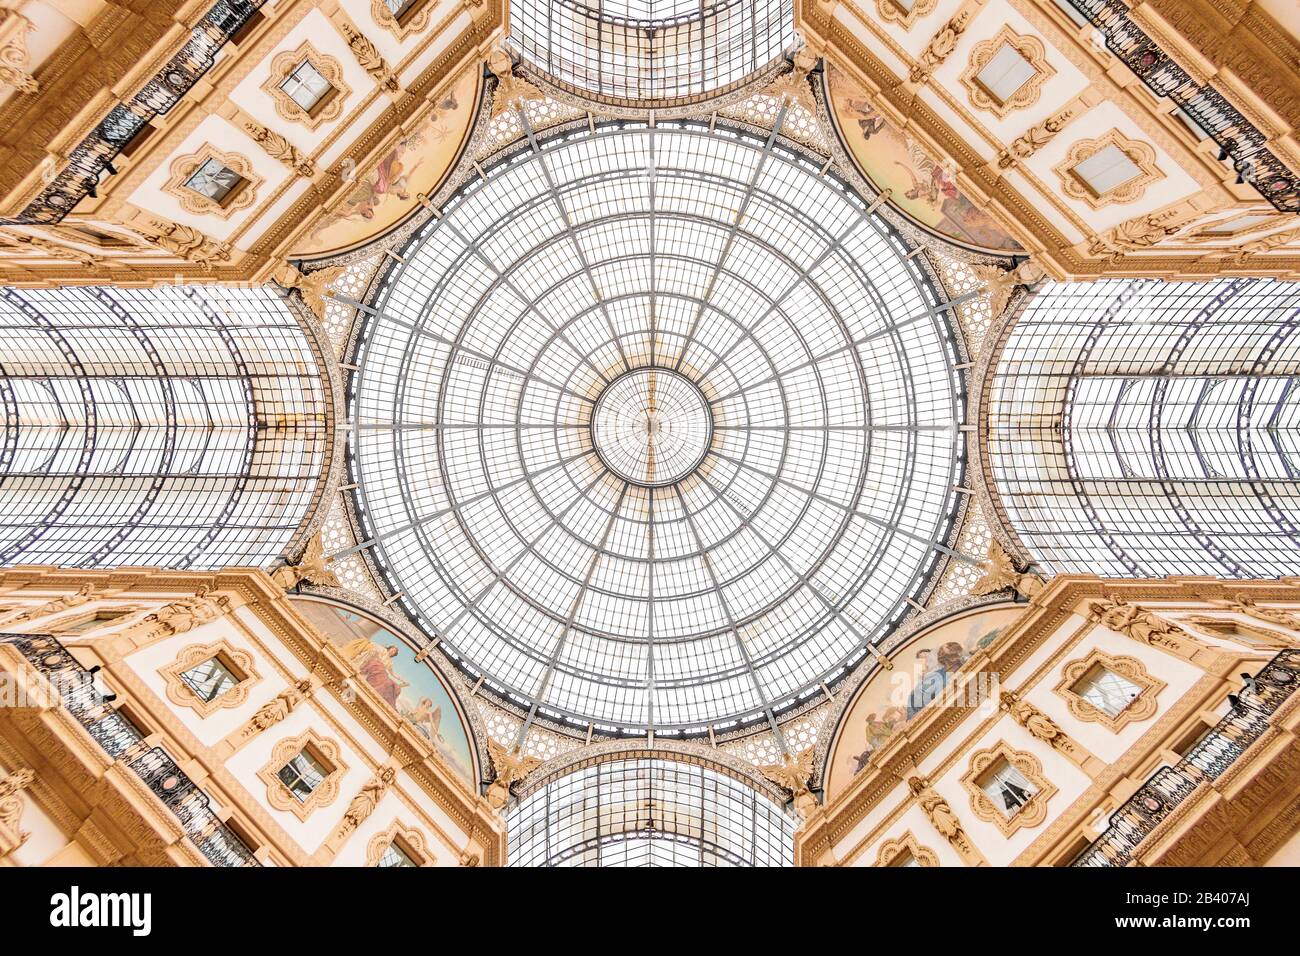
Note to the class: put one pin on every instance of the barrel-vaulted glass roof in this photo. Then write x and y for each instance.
(656, 428)
(651, 50)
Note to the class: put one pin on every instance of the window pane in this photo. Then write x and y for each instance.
(1107, 691)
(210, 679)
(213, 180)
(302, 775)
(1107, 169)
(1007, 72)
(305, 86)
(395, 856)
(1007, 787)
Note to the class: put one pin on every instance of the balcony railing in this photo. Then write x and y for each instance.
(94, 154)
(1208, 108)
(1206, 761)
(119, 739)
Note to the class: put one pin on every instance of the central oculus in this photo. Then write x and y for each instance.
(651, 427)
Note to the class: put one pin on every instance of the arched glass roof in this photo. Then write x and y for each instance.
(656, 428)
(651, 50)
(649, 812)
(1140, 428)
(171, 427)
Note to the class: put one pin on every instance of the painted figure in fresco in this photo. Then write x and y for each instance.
(936, 673)
(374, 662)
(426, 719)
(879, 730)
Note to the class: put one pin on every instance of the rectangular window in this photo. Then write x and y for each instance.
(395, 856)
(400, 8)
(1007, 787)
(1107, 691)
(80, 626)
(210, 679)
(307, 87)
(1240, 224)
(215, 181)
(1107, 169)
(1005, 73)
(303, 774)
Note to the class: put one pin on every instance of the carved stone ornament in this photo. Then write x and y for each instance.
(368, 58)
(793, 774)
(1000, 574)
(1140, 154)
(941, 45)
(184, 242)
(64, 602)
(1030, 814)
(15, 62)
(1000, 284)
(239, 662)
(1142, 707)
(366, 800)
(895, 12)
(278, 707)
(313, 566)
(1243, 604)
(280, 149)
(284, 64)
(410, 839)
(940, 815)
(905, 846)
(11, 808)
(1036, 137)
(1029, 47)
(510, 766)
(511, 91)
(413, 20)
(1141, 625)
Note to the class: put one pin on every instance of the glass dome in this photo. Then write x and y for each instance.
(656, 428)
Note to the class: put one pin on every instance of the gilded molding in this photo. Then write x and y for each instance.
(331, 105)
(410, 840)
(1142, 707)
(240, 663)
(1141, 155)
(1030, 814)
(1029, 47)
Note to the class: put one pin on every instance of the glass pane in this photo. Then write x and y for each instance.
(1007, 787)
(306, 86)
(1007, 72)
(213, 180)
(395, 856)
(302, 775)
(210, 679)
(1107, 691)
(1107, 169)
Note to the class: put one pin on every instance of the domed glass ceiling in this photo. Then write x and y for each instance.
(656, 428)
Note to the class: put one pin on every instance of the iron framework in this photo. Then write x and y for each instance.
(649, 811)
(1143, 428)
(170, 427)
(826, 500)
(651, 50)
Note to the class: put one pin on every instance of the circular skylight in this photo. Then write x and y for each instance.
(655, 428)
(651, 426)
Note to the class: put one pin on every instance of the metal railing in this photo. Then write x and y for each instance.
(75, 687)
(94, 154)
(1246, 145)
(1206, 761)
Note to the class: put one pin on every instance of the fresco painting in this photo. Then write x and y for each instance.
(388, 665)
(922, 669)
(924, 189)
(384, 194)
